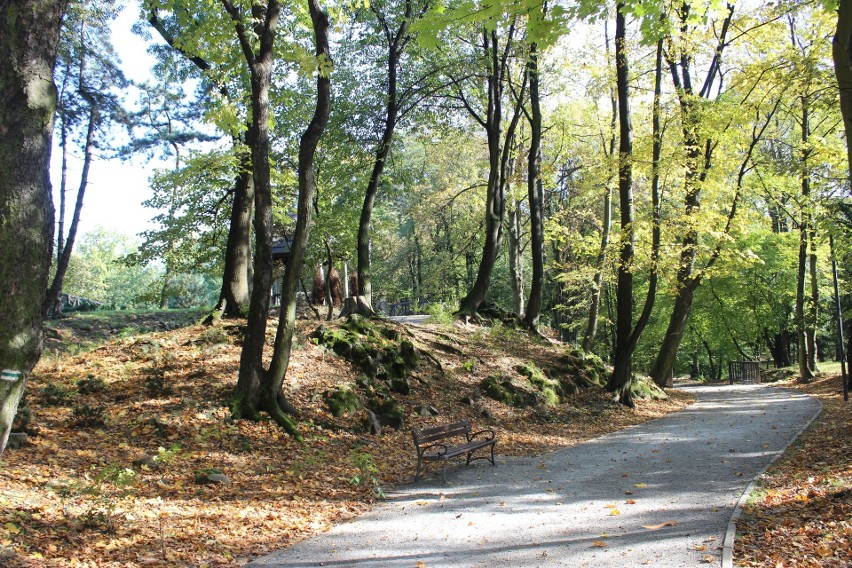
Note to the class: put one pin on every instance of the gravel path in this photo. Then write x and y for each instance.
(658, 494)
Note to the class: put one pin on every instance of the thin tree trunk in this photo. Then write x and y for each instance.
(307, 186)
(498, 154)
(698, 162)
(51, 300)
(622, 375)
(803, 325)
(535, 194)
(396, 43)
(516, 262)
(813, 300)
(597, 280)
(29, 34)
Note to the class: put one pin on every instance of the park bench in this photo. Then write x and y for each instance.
(444, 442)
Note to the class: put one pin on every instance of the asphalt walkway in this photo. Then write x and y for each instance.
(659, 494)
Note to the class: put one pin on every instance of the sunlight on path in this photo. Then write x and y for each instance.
(658, 494)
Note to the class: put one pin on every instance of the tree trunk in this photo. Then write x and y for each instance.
(29, 34)
(622, 375)
(803, 325)
(813, 301)
(516, 261)
(535, 196)
(236, 289)
(365, 284)
(597, 281)
(842, 54)
(249, 401)
(698, 162)
(273, 380)
(51, 300)
(498, 152)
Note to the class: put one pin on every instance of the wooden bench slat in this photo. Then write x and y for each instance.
(430, 448)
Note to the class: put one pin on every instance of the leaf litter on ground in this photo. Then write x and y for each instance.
(111, 477)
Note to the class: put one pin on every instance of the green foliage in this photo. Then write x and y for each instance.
(91, 384)
(55, 395)
(504, 390)
(96, 271)
(86, 416)
(367, 471)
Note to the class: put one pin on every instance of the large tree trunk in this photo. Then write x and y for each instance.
(307, 185)
(535, 195)
(842, 54)
(51, 300)
(248, 401)
(29, 34)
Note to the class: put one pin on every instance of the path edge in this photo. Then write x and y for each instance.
(731, 532)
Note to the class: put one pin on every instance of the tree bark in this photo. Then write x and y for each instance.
(498, 155)
(307, 186)
(29, 34)
(698, 161)
(249, 399)
(535, 196)
(396, 44)
(842, 55)
(236, 289)
(622, 375)
(597, 280)
(516, 262)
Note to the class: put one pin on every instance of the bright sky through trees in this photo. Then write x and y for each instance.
(116, 188)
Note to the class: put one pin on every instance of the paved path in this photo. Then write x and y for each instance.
(588, 505)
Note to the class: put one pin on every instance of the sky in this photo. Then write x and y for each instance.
(116, 188)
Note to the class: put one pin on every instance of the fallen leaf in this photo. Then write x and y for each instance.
(600, 544)
(709, 559)
(615, 512)
(631, 501)
(661, 525)
(699, 547)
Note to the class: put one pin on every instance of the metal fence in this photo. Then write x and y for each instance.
(744, 371)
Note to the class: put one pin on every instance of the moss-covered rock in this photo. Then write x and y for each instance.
(343, 402)
(504, 390)
(577, 368)
(551, 390)
(645, 388)
(375, 349)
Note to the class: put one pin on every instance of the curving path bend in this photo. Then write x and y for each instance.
(658, 494)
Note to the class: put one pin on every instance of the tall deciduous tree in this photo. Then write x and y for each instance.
(259, 389)
(188, 41)
(29, 35)
(698, 152)
(396, 30)
(495, 53)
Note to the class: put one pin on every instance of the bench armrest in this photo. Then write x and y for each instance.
(483, 434)
(431, 449)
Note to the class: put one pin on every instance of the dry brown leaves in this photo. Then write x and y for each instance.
(74, 496)
(801, 515)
